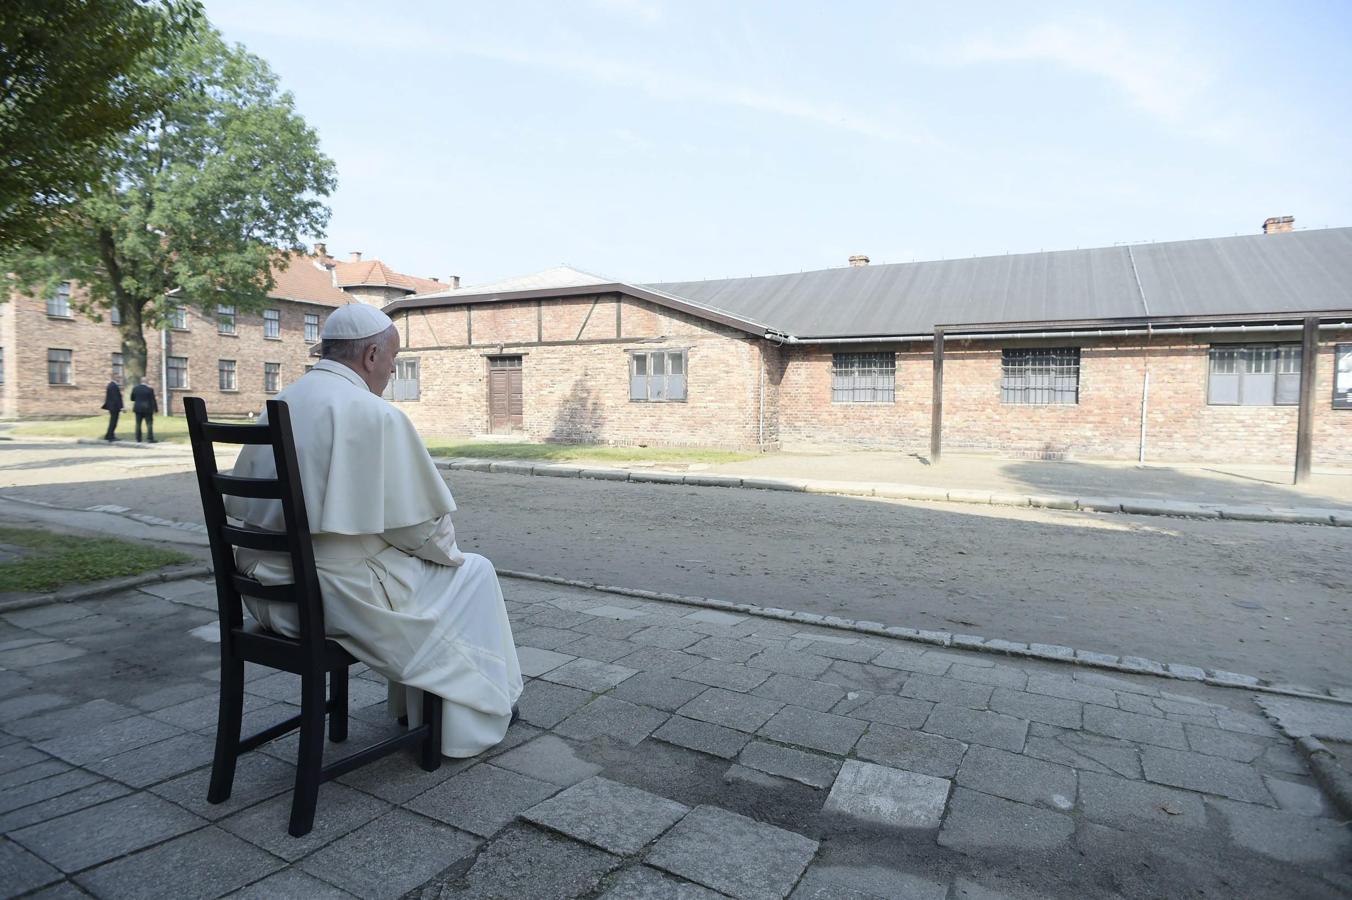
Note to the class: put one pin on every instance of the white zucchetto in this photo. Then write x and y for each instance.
(354, 321)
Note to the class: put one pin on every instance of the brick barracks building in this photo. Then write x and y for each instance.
(1181, 351)
(56, 362)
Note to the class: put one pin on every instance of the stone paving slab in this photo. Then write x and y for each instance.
(97, 834)
(390, 856)
(978, 822)
(609, 815)
(811, 769)
(733, 854)
(887, 796)
(196, 866)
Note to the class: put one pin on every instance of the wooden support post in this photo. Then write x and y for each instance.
(1309, 351)
(937, 408)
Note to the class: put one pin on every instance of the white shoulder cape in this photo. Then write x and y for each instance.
(363, 467)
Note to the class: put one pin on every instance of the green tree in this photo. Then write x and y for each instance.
(222, 180)
(68, 88)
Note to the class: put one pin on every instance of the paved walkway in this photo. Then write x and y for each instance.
(664, 751)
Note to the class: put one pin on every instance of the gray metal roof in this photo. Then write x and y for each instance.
(1268, 274)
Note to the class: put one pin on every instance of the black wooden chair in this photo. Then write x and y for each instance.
(311, 656)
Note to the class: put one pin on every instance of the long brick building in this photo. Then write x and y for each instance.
(57, 362)
(1179, 351)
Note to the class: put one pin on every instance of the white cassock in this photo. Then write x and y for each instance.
(398, 594)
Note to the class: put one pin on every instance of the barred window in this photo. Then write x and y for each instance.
(657, 376)
(405, 385)
(272, 323)
(178, 318)
(225, 319)
(272, 376)
(311, 327)
(58, 304)
(863, 377)
(225, 370)
(176, 371)
(1041, 377)
(119, 368)
(1254, 375)
(59, 366)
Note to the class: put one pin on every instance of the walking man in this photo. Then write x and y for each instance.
(112, 401)
(144, 405)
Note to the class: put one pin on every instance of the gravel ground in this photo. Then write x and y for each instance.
(1266, 599)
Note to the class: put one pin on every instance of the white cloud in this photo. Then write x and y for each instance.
(1160, 77)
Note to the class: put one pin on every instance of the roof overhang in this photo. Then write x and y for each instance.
(658, 298)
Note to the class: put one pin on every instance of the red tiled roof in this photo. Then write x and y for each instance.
(310, 279)
(374, 273)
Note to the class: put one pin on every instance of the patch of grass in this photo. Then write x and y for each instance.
(564, 452)
(167, 428)
(51, 560)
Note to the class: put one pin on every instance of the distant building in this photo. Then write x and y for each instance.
(1186, 350)
(56, 362)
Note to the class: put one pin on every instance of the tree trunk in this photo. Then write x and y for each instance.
(133, 342)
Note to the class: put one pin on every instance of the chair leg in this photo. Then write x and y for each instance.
(310, 758)
(228, 719)
(431, 746)
(338, 700)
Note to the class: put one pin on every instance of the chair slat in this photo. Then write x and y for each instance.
(237, 486)
(219, 433)
(276, 593)
(255, 538)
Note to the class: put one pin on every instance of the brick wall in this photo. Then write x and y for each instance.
(575, 372)
(1106, 423)
(27, 332)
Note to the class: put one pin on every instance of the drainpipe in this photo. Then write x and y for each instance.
(164, 371)
(760, 435)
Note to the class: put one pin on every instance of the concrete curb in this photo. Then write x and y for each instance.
(99, 588)
(1134, 665)
(1133, 506)
(1335, 780)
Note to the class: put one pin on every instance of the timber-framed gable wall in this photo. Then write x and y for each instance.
(576, 361)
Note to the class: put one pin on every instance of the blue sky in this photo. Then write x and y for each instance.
(649, 140)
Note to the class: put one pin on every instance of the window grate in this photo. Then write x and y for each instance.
(863, 377)
(1040, 376)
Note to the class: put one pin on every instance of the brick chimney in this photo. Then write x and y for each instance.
(1279, 224)
(858, 260)
(454, 282)
(321, 250)
(354, 256)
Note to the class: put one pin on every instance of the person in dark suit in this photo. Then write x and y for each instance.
(144, 405)
(112, 401)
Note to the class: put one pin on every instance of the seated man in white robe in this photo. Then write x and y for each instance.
(398, 594)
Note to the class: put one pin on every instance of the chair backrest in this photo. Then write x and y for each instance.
(294, 540)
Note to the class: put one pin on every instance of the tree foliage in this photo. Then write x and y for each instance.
(69, 86)
(200, 198)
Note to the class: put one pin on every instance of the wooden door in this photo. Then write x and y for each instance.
(505, 405)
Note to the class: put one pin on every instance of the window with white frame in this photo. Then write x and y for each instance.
(1253, 375)
(311, 327)
(225, 371)
(225, 318)
(59, 366)
(863, 377)
(178, 317)
(657, 376)
(176, 372)
(272, 323)
(272, 377)
(58, 304)
(119, 368)
(1041, 376)
(405, 384)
